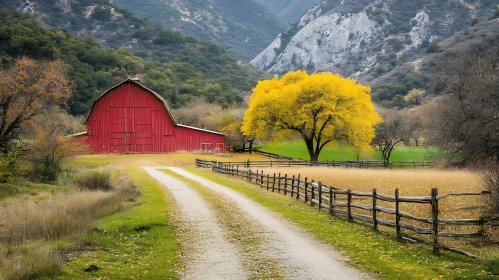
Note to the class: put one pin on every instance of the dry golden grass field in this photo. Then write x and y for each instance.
(411, 182)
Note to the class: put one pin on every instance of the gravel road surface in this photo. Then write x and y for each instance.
(298, 254)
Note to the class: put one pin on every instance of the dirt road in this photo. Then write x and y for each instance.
(212, 257)
(298, 254)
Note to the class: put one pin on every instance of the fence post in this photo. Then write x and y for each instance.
(375, 212)
(349, 205)
(312, 194)
(293, 186)
(285, 184)
(331, 212)
(319, 190)
(261, 179)
(273, 184)
(279, 183)
(249, 175)
(306, 190)
(434, 212)
(237, 170)
(298, 187)
(268, 181)
(397, 215)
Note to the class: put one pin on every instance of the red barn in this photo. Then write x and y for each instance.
(130, 118)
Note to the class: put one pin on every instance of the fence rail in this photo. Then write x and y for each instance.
(324, 197)
(348, 163)
(270, 155)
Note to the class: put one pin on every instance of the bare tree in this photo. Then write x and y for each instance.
(414, 125)
(49, 144)
(466, 122)
(489, 171)
(389, 133)
(200, 113)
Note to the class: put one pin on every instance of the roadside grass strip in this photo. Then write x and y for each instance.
(240, 229)
(138, 243)
(363, 246)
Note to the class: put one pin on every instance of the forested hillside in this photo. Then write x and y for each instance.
(242, 27)
(117, 27)
(391, 83)
(288, 11)
(188, 67)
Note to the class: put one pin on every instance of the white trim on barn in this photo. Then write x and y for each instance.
(200, 129)
(78, 134)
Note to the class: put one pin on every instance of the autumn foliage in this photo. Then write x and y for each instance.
(321, 108)
(25, 90)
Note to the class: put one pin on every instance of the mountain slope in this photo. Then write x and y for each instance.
(242, 27)
(116, 27)
(424, 72)
(95, 68)
(354, 37)
(288, 11)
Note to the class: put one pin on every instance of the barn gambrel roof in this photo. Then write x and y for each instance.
(165, 103)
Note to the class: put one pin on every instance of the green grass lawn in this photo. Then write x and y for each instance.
(138, 242)
(341, 153)
(366, 248)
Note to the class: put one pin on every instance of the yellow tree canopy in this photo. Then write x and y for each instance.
(321, 108)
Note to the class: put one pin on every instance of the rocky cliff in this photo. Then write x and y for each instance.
(357, 37)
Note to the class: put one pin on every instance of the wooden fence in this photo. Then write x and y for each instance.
(298, 163)
(266, 154)
(328, 198)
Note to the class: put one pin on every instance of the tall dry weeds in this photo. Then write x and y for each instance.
(30, 262)
(67, 214)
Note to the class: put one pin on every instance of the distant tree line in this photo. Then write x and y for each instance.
(196, 69)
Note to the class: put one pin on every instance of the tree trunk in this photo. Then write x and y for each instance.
(251, 146)
(314, 157)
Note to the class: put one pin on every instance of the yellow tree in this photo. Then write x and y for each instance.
(321, 107)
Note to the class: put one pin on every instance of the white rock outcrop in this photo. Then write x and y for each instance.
(320, 44)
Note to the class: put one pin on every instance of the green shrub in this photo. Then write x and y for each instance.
(495, 15)
(94, 181)
(433, 48)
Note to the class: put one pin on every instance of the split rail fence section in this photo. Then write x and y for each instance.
(349, 163)
(342, 202)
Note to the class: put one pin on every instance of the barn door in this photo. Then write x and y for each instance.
(129, 130)
(116, 133)
(142, 129)
(122, 130)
